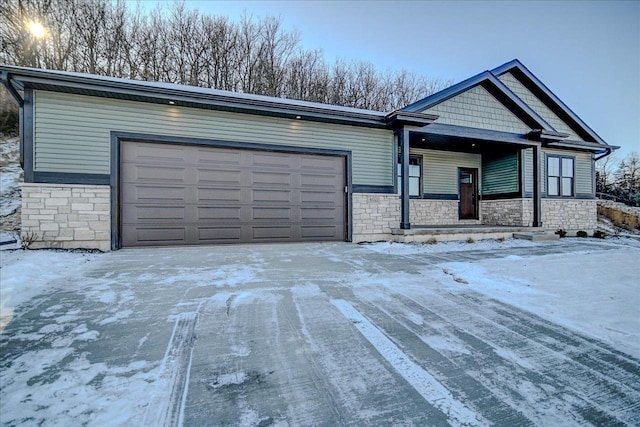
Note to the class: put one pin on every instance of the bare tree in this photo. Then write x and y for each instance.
(180, 45)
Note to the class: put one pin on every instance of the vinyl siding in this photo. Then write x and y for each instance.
(72, 133)
(477, 108)
(582, 169)
(440, 169)
(537, 105)
(500, 174)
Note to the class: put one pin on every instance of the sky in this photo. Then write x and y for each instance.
(586, 52)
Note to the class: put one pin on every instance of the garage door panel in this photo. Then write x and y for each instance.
(271, 213)
(217, 212)
(207, 156)
(132, 173)
(321, 198)
(263, 195)
(219, 176)
(134, 236)
(270, 178)
(222, 195)
(318, 232)
(277, 160)
(269, 233)
(226, 195)
(219, 234)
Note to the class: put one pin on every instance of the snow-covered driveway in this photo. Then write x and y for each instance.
(323, 334)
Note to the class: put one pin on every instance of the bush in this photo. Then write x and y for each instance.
(470, 240)
(562, 233)
(432, 241)
(598, 234)
(582, 233)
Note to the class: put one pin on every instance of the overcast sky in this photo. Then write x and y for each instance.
(586, 52)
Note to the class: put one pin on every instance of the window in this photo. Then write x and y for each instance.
(415, 176)
(559, 176)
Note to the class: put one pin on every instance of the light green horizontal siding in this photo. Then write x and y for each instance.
(477, 108)
(582, 165)
(72, 133)
(500, 174)
(440, 169)
(537, 105)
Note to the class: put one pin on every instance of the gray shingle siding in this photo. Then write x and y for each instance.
(537, 105)
(478, 108)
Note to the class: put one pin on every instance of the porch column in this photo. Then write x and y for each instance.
(537, 204)
(403, 139)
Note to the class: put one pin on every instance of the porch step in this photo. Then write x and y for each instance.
(536, 237)
(453, 233)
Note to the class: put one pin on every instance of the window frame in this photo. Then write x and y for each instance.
(419, 158)
(561, 175)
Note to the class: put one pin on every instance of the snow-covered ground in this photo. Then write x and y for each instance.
(10, 177)
(323, 333)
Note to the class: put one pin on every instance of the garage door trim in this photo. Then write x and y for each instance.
(118, 137)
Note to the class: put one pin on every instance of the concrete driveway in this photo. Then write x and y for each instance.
(304, 334)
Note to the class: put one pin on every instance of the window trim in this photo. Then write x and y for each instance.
(418, 157)
(560, 194)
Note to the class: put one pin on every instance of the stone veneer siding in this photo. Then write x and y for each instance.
(67, 216)
(507, 212)
(374, 215)
(571, 215)
(433, 212)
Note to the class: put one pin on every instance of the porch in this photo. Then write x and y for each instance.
(434, 234)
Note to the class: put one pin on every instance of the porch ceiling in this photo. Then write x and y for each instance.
(455, 138)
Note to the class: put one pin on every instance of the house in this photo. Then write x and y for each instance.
(111, 163)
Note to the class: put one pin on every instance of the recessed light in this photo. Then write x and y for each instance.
(423, 140)
(298, 117)
(473, 145)
(172, 102)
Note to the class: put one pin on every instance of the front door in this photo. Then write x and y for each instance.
(468, 184)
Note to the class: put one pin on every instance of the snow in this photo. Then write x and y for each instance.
(574, 291)
(426, 248)
(10, 177)
(423, 382)
(27, 274)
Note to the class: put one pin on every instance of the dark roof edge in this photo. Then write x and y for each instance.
(228, 100)
(504, 68)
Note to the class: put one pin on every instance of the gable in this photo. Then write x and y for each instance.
(537, 105)
(478, 108)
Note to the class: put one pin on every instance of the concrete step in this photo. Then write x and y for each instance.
(536, 237)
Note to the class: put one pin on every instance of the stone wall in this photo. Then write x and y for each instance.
(571, 214)
(507, 212)
(433, 212)
(374, 215)
(67, 216)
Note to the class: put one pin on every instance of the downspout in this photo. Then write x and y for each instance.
(606, 153)
(5, 78)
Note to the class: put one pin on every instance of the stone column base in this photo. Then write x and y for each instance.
(67, 216)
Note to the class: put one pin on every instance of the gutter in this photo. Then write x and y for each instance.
(6, 81)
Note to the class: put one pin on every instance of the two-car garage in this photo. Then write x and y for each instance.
(181, 194)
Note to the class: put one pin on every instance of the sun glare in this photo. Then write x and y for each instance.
(36, 29)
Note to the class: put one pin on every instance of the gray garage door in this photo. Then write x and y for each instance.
(190, 195)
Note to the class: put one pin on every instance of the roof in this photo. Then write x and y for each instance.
(90, 84)
(490, 80)
(533, 83)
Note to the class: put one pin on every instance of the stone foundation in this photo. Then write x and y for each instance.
(507, 212)
(434, 212)
(571, 215)
(67, 216)
(374, 215)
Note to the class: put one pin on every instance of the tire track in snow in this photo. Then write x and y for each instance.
(429, 388)
(167, 407)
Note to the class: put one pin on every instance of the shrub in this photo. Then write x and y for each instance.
(599, 234)
(582, 233)
(562, 233)
(470, 240)
(432, 241)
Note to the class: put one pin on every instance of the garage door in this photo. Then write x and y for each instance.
(190, 195)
